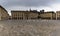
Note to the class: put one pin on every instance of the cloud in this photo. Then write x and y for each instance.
(55, 7)
(28, 3)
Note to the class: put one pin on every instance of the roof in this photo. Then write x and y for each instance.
(3, 8)
(24, 11)
(47, 12)
(57, 11)
(18, 11)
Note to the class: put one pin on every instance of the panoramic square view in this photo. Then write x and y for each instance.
(29, 18)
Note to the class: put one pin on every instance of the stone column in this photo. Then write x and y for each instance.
(56, 16)
(51, 16)
(11, 17)
(17, 16)
(23, 16)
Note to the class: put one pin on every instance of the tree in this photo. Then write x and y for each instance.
(42, 11)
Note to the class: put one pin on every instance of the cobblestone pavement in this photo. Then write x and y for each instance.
(30, 28)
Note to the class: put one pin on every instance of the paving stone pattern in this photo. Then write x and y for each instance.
(30, 28)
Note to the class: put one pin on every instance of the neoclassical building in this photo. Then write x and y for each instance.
(24, 14)
(57, 15)
(47, 15)
(3, 13)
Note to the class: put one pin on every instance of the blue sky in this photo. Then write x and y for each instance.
(48, 5)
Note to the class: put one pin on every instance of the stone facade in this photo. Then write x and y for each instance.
(24, 15)
(3, 13)
(57, 14)
(32, 15)
(47, 15)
